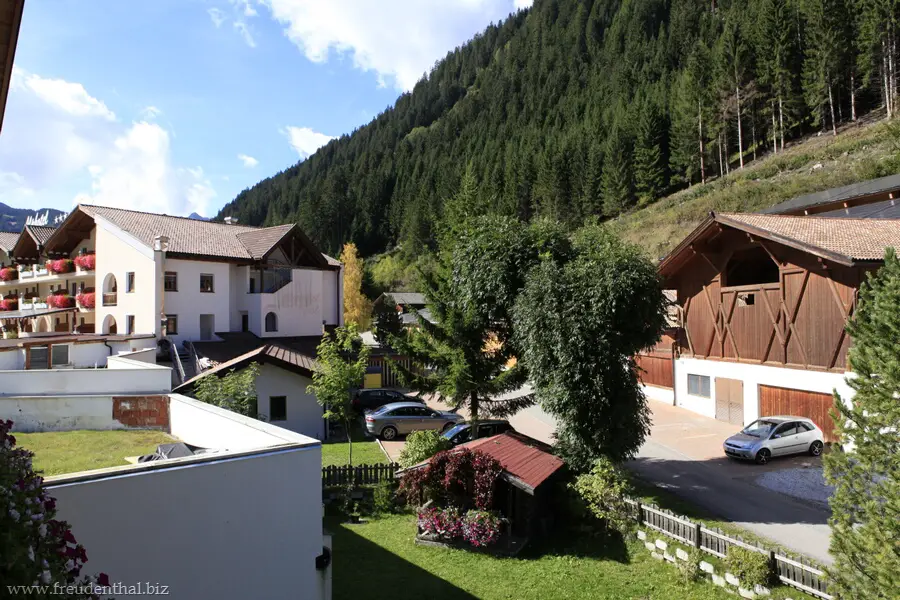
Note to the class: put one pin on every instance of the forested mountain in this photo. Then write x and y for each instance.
(15, 219)
(590, 107)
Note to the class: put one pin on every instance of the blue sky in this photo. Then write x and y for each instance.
(177, 105)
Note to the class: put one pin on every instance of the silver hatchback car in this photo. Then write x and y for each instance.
(398, 418)
(775, 436)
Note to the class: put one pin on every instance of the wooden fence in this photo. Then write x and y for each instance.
(655, 369)
(800, 573)
(357, 474)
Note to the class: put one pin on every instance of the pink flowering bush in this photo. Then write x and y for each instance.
(445, 524)
(9, 274)
(86, 262)
(10, 303)
(37, 549)
(481, 528)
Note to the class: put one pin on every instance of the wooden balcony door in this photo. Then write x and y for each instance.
(730, 400)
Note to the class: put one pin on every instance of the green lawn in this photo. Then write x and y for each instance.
(378, 559)
(366, 451)
(61, 452)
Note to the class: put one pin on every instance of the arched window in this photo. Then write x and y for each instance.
(271, 322)
(109, 325)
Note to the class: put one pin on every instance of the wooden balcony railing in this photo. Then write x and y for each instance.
(109, 299)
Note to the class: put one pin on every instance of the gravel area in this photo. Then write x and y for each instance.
(806, 484)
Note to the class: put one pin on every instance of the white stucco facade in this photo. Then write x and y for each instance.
(752, 377)
(119, 253)
(304, 414)
(189, 303)
(196, 524)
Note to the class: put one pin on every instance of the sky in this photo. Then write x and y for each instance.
(175, 106)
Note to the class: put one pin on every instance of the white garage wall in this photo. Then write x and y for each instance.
(233, 528)
(304, 414)
(753, 376)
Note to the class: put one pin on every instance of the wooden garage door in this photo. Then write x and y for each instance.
(730, 400)
(798, 403)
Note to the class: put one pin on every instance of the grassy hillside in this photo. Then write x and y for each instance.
(818, 163)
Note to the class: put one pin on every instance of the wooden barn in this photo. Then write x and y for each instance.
(761, 301)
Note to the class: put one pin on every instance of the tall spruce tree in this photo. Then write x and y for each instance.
(618, 179)
(865, 507)
(650, 153)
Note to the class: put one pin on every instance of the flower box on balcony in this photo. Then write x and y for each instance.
(86, 299)
(63, 265)
(86, 262)
(9, 304)
(9, 274)
(60, 300)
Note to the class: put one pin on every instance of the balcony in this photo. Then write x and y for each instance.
(87, 300)
(8, 275)
(109, 299)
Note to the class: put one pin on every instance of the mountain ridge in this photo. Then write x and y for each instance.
(14, 219)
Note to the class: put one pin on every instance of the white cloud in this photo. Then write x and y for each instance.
(216, 16)
(520, 4)
(150, 112)
(397, 39)
(59, 143)
(306, 141)
(248, 161)
(67, 97)
(245, 7)
(242, 28)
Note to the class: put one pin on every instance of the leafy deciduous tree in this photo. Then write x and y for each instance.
(235, 391)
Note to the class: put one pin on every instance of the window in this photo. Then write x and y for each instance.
(129, 282)
(129, 324)
(698, 385)
(170, 282)
(38, 357)
(746, 299)
(60, 354)
(750, 267)
(804, 427)
(171, 324)
(206, 283)
(786, 430)
(278, 408)
(74, 289)
(271, 322)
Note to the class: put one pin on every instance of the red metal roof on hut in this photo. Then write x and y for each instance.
(522, 457)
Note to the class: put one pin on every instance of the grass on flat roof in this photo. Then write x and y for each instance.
(63, 452)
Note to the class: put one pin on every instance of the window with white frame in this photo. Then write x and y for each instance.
(699, 385)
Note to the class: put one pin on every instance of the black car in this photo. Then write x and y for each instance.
(462, 433)
(364, 400)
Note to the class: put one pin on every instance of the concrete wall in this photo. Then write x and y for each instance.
(234, 527)
(304, 414)
(122, 377)
(659, 394)
(752, 376)
(11, 360)
(61, 413)
(119, 253)
(300, 305)
(94, 354)
(189, 302)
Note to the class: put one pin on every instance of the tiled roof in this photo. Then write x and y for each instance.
(8, 240)
(259, 241)
(527, 460)
(41, 232)
(195, 237)
(851, 239)
(268, 353)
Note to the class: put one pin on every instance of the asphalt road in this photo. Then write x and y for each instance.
(723, 490)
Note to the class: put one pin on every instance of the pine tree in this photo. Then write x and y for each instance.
(865, 507)
(650, 159)
(822, 61)
(618, 180)
(592, 192)
(357, 308)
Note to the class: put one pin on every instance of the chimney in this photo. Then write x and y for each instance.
(231, 220)
(161, 243)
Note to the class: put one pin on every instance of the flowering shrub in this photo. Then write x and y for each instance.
(11, 303)
(60, 299)
(459, 477)
(86, 299)
(446, 524)
(63, 265)
(9, 274)
(87, 262)
(481, 528)
(37, 548)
